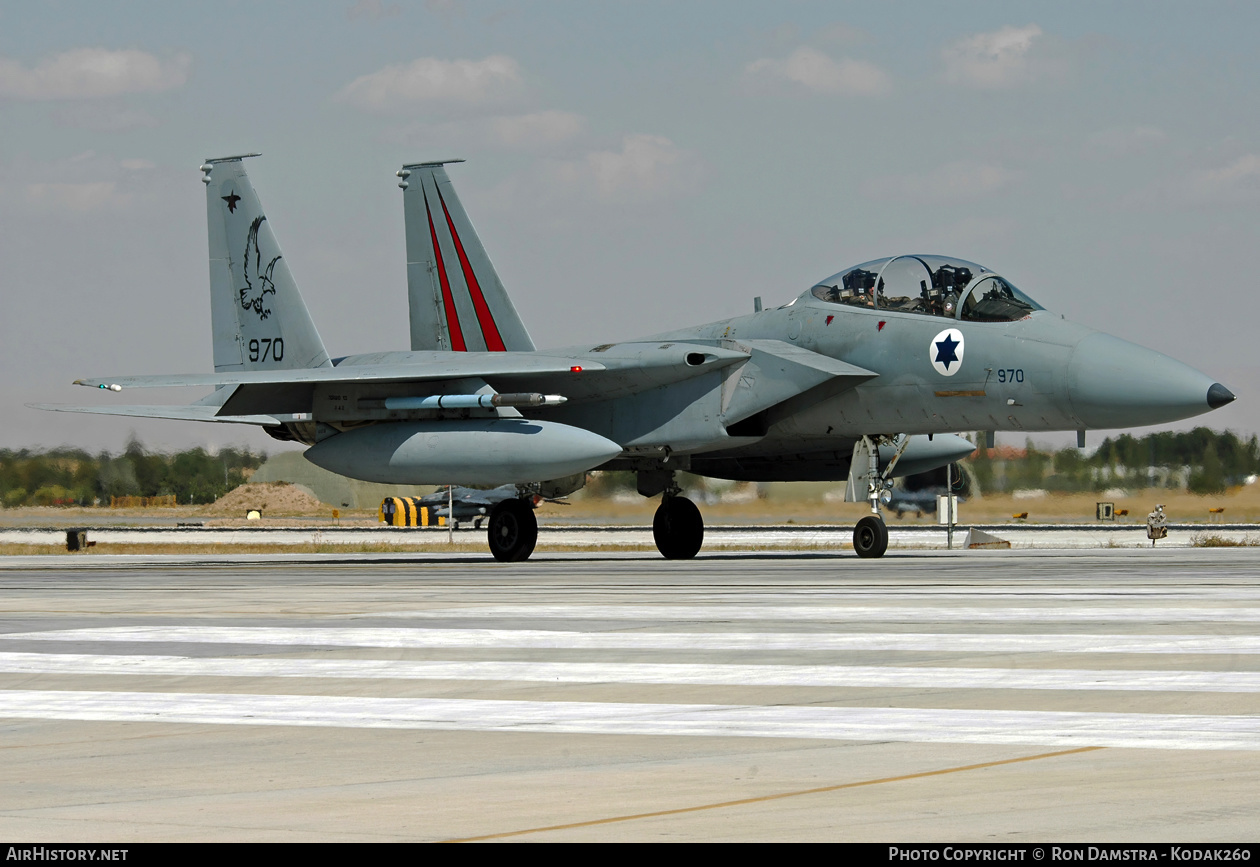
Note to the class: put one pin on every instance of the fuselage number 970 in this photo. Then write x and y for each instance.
(1010, 374)
(262, 350)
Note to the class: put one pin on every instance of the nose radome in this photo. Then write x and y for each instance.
(1219, 395)
(1113, 384)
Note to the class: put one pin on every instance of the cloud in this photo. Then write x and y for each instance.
(957, 180)
(816, 71)
(540, 129)
(78, 198)
(1123, 141)
(840, 34)
(447, 9)
(373, 10)
(106, 116)
(91, 183)
(92, 73)
(647, 167)
(429, 80)
(993, 61)
(1235, 183)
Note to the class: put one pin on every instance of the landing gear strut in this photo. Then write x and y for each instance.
(870, 536)
(513, 531)
(678, 528)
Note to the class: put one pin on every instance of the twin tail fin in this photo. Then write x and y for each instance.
(258, 318)
(457, 300)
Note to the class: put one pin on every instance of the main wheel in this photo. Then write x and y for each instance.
(513, 531)
(870, 537)
(678, 528)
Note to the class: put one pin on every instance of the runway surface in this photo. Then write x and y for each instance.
(553, 537)
(968, 696)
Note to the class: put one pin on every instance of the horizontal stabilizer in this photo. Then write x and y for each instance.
(196, 412)
(622, 368)
(415, 367)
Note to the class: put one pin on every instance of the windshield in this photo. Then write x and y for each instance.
(993, 299)
(929, 286)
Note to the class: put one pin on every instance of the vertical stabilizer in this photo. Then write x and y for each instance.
(259, 319)
(457, 301)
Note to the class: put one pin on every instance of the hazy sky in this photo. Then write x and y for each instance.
(631, 167)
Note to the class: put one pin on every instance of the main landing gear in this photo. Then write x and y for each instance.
(677, 528)
(513, 530)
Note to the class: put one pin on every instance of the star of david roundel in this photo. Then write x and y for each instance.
(946, 351)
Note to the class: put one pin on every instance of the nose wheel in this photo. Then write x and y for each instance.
(870, 537)
(512, 531)
(678, 528)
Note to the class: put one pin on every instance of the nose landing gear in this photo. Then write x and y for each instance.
(870, 537)
(866, 482)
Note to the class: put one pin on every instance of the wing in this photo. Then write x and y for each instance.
(194, 412)
(403, 367)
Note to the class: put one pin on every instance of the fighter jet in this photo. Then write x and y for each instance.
(861, 377)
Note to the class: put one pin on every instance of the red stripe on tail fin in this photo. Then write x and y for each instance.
(490, 331)
(448, 301)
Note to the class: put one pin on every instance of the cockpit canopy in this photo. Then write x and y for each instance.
(928, 285)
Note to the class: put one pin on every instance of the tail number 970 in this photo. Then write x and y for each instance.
(266, 349)
(1010, 374)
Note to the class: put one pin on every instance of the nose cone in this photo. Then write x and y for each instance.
(1219, 395)
(1114, 384)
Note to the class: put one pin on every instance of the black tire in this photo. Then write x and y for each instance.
(678, 529)
(513, 531)
(870, 537)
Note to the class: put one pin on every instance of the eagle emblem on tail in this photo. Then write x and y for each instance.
(258, 280)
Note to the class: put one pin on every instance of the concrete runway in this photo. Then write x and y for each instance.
(716, 538)
(1097, 696)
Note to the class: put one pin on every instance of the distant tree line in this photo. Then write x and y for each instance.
(67, 476)
(1201, 461)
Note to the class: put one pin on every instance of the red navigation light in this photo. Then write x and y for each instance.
(577, 368)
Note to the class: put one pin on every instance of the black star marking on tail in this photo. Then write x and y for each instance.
(231, 201)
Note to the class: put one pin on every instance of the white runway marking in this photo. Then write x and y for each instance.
(863, 613)
(1065, 729)
(637, 673)
(544, 639)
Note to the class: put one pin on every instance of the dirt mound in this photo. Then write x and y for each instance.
(273, 498)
